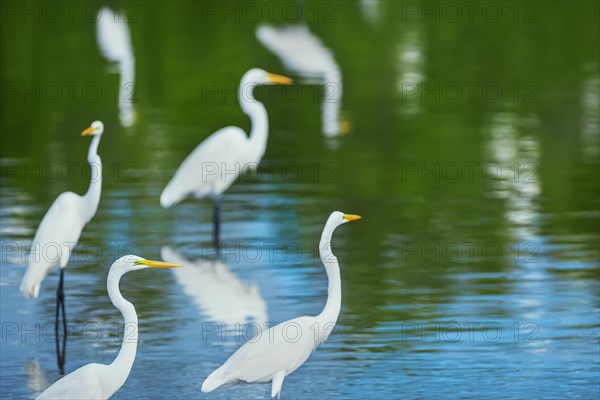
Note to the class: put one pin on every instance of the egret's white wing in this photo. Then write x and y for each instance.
(54, 240)
(210, 168)
(82, 384)
(113, 35)
(283, 347)
(218, 292)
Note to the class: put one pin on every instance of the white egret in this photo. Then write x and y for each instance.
(114, 40)
(217, 292)
(217, 162)
(59, 231)
(303, 53)
(281, 350)
(99, 381)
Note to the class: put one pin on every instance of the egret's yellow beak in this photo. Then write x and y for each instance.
(157, 264)
(351, 217)
(279, 79)
(89, 131)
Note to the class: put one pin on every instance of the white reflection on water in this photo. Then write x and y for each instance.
(590, 120)
(304, 54)
(114, 40)
(517, 169)
(217, 292)
(514, 150)
(36, 380)
(410, 61)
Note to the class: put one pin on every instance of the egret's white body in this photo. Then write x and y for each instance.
(114, 40)
(218, 161)
(303, 53)
(99, 381)
(61, 227)
(217, 292)
(282, 349)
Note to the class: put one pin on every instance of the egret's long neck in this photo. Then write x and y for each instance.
(258, 117)
(331, 311)
(122, 364)
(92, 196)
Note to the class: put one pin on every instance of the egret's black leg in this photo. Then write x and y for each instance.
(216, 223)
(60, 302)
(64, 318)
(58, 355)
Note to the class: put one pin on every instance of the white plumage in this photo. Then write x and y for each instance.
(61, 227)
(211, 167)
(114, 40)
(54, 240)
(99, 381)
(303, 53)
(219, 160)
(113, 35)
(279, 351)
(90, 382)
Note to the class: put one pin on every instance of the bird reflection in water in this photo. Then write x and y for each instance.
(304, 54)
(114, 40)
(36, 379)
(217, 292)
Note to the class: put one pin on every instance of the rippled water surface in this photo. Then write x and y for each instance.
(475, 269)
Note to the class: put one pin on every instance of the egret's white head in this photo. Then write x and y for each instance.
(338, 218)
(97, 128)
(133, 263)
(257, 76)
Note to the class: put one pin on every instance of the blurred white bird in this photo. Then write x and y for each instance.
(99, 381)
(114, 40)
(59, 232)
(217, 162)
(278, 352)
(370, 10)
(218, 292)
(303, 53)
